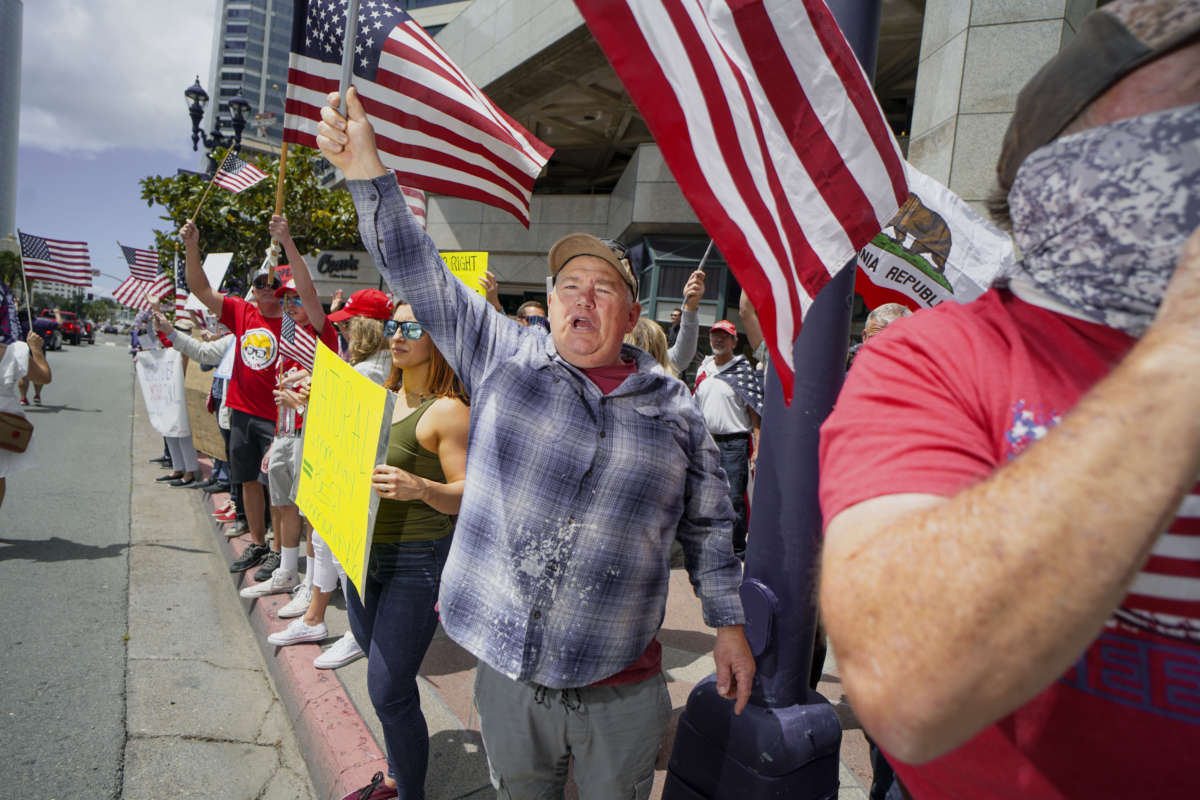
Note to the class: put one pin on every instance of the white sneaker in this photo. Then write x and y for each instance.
(281, 581)
(298, 631)
(298, 605)
(344, 651)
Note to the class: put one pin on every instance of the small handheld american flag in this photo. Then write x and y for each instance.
(296, 343)
(143, 264)
(237, 175)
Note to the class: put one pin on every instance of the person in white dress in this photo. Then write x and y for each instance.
(19, 360)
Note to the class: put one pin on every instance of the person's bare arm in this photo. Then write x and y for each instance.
(750, 323)
(949, 613)
(491, 291)
(300, 274)
(38, 370)
(447, 421)
(197, 281)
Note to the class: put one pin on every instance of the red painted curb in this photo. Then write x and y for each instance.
(338, 748)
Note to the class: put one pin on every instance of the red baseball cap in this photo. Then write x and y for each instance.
(725, 326)
(364, 303)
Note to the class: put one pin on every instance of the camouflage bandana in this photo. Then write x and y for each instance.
(1101, 216)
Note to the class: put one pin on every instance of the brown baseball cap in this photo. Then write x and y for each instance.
(584, 244)
(1112, 42)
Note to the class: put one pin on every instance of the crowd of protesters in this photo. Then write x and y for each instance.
(541, 467)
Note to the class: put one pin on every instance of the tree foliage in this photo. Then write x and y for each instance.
(237, 223)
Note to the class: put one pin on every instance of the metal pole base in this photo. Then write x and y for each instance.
(764, 753)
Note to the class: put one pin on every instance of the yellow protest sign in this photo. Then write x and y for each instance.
(467, 267)
(346, 430)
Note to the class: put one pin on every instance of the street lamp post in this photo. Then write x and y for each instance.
(197, 99)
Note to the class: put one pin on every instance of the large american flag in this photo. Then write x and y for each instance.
(773, 133)
(433, 126)
(415, 199)
(237, 175)
(55, 260)
(133, 293)
(297, 343)
(143, 264)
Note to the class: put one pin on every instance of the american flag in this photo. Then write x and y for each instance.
(237, 175)
(433, 126)
(771, 129)
(143, 264)
(296, 343)
(181, 289)
(162, 285)
(56, 260)
(416, 202)
(132, 292)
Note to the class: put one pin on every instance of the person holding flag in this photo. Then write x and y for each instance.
(250, 395)
(585, 463)
(301, 326)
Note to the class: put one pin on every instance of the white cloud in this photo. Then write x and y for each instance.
(102, 74)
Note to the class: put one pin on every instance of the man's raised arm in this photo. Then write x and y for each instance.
(197, 281)
(949, 613)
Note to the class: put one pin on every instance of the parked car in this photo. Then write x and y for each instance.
(46, 326)
(110, 327)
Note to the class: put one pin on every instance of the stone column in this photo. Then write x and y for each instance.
(975, 57)
(10, 115)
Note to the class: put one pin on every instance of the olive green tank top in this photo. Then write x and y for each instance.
(411, 520)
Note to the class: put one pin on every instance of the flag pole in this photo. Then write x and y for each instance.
(208, 188)
(25, 285)
(704, 258)
(279, 185)
(348, 53)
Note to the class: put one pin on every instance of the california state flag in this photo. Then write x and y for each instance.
(936, 248)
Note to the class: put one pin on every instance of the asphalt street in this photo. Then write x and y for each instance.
(64, 570)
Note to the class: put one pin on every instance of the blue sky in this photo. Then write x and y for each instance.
(101, 107)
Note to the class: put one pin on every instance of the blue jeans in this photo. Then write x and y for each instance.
(394, 622)
(735, 460)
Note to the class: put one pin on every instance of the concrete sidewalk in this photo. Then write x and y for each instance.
(340, 735)
(202, 718)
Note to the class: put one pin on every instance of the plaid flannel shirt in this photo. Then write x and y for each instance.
(560, 566)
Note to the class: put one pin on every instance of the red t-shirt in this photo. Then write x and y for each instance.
(939, 402)
(288, 365)
(254, 366)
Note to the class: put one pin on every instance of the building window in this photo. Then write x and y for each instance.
(229, 91)
(231, 76)
(235, 44)
(238, 13)
(236, 28)
(233, 60)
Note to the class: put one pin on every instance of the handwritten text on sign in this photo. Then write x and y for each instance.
(468, 268)
(345, 436)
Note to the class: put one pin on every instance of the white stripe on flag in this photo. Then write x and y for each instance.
(1171, 587)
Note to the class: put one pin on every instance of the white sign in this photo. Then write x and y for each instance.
(160, 375)
(215, 267)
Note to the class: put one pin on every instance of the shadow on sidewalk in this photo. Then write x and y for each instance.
(58, 549)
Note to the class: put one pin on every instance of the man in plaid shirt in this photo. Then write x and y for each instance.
(585, 462)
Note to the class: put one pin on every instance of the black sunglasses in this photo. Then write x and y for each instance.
(261, 282)
(409, 330)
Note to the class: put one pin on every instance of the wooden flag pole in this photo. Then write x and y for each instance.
(25, 284)
(208, 188)
(279, 186)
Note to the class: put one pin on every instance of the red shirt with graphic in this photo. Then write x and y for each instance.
(938, 402)
(254, 367)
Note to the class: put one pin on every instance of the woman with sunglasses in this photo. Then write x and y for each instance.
(421, 487)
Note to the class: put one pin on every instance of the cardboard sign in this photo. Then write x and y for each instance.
(206, 434)
(160, 375)
(468, 268)
(346, 432)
